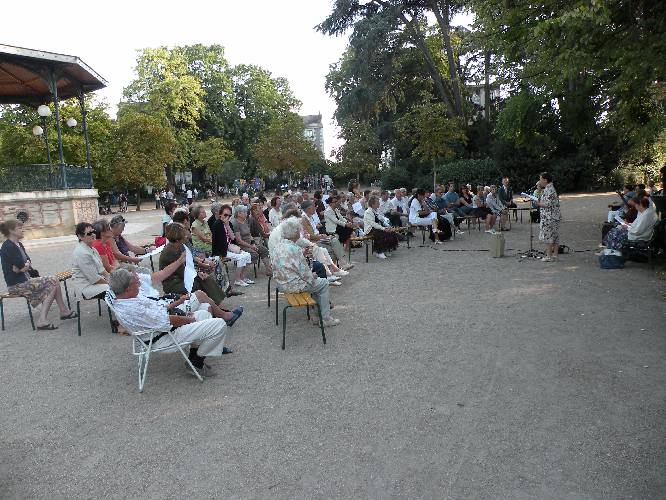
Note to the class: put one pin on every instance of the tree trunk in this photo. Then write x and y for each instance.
(444, 19)
(486, 86)
(419, 40)
(138, 200)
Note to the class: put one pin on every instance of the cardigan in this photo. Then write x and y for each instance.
(11, 255)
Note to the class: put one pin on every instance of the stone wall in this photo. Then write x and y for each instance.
(50, 213)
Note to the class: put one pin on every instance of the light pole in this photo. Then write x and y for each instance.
(43, 111)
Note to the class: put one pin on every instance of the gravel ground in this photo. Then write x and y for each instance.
(452, 375)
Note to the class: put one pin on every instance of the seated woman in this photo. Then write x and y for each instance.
(202, 262)
(177, 234)
(420, 214)
(229, 248)
(482, 211)
(202, 238)
(259, 226)
(336, 224)
(243, 237)
(16, 268)
(275, 215)
(121, 248)
(497, 208)
(641, 229)
(318, 242)
(102, 244)
(384, 239)
(293, 274)
(89, 275)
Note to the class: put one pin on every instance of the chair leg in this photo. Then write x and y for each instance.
(32, 321)
(78, 316)
(284, 323)
(321, 324)
(110, 319)
(277, 320)
(2, 314)
(269, 292)
(99, 307)
(192, 367)
(255, 270)
(69, 306)
(366, 252)
(307, 311)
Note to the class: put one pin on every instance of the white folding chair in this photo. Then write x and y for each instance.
(142, 349)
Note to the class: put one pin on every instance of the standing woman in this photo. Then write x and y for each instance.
(549, 203)
(384, 240)
(16, 267)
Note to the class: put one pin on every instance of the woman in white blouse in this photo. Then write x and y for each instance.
(274, 214)
(420, 214)
(384, 239)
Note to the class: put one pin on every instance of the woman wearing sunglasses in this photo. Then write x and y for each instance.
(89, 276)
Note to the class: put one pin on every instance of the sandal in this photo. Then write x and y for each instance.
(236, 314)
(50, 326)
(71, 315)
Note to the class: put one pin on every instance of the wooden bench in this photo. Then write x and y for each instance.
(301, 299)
(364, 240)
(7, 295)
(63, 276)
(475, 219)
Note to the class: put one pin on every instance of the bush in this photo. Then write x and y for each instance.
(474, 172)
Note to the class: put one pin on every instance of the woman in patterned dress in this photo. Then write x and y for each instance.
(549, 202)
(41, 291)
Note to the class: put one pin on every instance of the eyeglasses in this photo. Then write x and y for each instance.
(226, 215)
(89, 233)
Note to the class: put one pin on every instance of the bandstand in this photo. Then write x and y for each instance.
(50, 198)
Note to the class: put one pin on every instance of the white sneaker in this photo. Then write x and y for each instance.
(331, 321)
(241, 283)
(489, 231)
(341, 272)
(249, 281)
(332, 278)
(334, 283)
(380, 255)
(458, 231)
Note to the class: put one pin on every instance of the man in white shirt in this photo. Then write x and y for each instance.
(400, 210)
(188, 195)
(137, 313)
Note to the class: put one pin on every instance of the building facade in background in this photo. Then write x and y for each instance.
(314, 131)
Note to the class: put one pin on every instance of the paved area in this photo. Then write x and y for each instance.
(452, 375)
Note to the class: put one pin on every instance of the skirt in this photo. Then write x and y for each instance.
(35, 289)
(344, 233)
(617, 238)
(383, 241)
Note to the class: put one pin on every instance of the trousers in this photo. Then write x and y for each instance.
(320, 292)
(206, 331)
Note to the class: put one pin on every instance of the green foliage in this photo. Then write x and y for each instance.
(475, 172)
(210, 154)
(283, 149)
(143, 146)
(360, 153)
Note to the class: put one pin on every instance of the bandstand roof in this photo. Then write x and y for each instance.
(24, 75)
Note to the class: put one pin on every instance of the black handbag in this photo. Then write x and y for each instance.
(33, 273)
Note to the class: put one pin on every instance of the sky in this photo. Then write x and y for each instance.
(276, 35)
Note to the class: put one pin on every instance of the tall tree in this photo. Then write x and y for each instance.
(283, 149)
(143, 146)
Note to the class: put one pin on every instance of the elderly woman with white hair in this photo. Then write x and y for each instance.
(243, 235)
(293, 274)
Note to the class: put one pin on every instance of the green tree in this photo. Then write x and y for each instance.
(360, 152)
(210, 155)
(283, 149)
(143, 146)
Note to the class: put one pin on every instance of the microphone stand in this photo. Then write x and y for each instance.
(532, 253)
